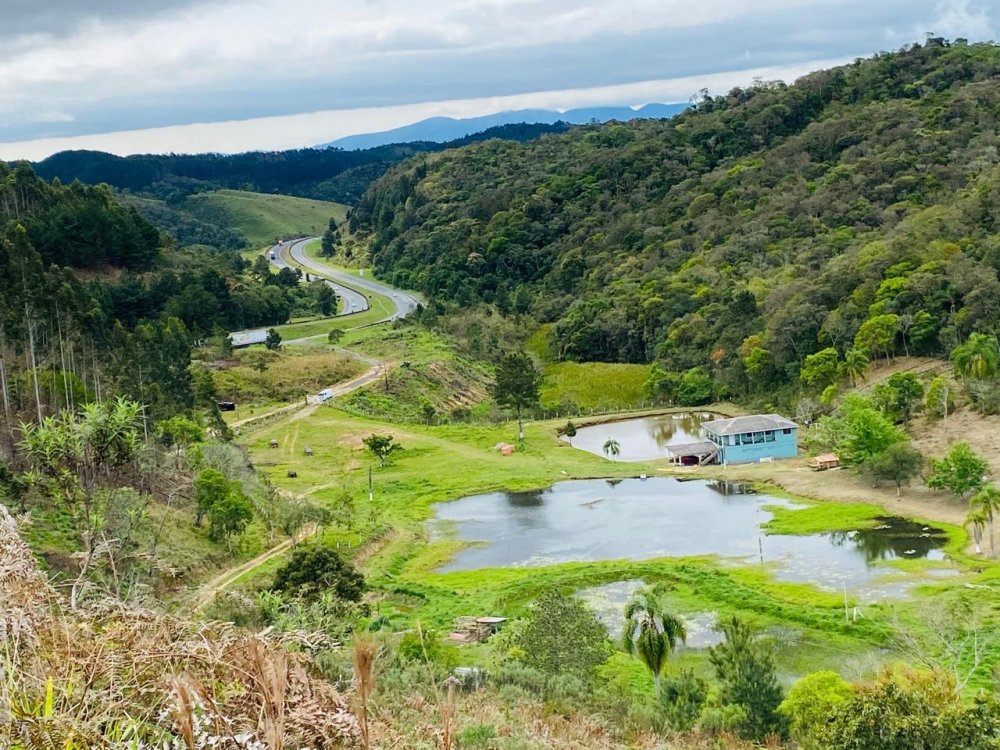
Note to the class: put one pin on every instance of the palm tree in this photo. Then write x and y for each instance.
(612, 448)
(978, 519)
(855, 365)
(651, 633)
(977, 358)
(987, 503)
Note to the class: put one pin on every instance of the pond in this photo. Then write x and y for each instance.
(636, 519)
(643, 439)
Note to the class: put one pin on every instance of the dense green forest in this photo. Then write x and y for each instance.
(857, 209)
(93, 299)
(324, 174)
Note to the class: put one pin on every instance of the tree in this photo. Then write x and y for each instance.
(330, 239)
(746, 673)
(682, 698)
(611, 448)
(940, 400)
(180, 431)
(314, 569)
(979, 521)
(516, 385)
(858, 432)
(810, 703)
(335, 335)
(986, 504)
(821, 369)
(977, 358)
(695, 388)
(273, 340)
(569, 430)
(855, 365)
(961, 471)
(898, 463)
(229, 516)
(381, 446)
(877, 335)
(898, 396)
(651, 633)
(210, 487)
(918, 710)
(561, 635)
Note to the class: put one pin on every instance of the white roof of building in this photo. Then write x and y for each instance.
(752, 423)
(248, 338)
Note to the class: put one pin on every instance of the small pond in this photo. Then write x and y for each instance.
(588, 520)
(643, 439)
(608, 601)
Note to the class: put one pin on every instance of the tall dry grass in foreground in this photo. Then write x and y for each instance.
(117, 677)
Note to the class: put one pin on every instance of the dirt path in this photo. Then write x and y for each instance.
(205, 593)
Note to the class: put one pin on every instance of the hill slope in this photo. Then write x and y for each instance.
(261, 218)
(858, 207)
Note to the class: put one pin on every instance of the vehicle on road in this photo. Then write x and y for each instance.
(324, 395)
(272, 255)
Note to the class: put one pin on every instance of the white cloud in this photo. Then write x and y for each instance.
(295, 131)
(217, 45)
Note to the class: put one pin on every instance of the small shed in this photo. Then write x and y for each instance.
(825, 461)
(506, 449)
(273, 443)
(308, 450)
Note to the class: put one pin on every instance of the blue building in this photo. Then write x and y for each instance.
(742, 440)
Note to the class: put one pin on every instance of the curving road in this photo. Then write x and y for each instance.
(403, 302)
(280, 256)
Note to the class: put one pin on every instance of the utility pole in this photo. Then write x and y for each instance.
(371, 492)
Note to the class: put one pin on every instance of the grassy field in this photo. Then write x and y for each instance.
(259, 377)
(593, 386)
(439, 463)
(261, 218)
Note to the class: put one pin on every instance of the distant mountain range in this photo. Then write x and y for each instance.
(442, 129)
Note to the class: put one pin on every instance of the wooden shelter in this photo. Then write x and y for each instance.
(825, 461)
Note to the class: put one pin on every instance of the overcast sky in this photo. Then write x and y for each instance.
(131, 76)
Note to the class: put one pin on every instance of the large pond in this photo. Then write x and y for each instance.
(639, 519)
(643, 439)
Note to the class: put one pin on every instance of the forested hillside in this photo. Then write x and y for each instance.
(92, 301)
(856, 209)
(321, 173)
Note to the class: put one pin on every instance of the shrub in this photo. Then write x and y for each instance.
(477, 736)
(315, 568)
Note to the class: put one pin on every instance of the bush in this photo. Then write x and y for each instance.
(682, 699)
(315, 568)
(477, 736)
(810, 703)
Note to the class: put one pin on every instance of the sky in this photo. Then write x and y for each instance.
(185, 76)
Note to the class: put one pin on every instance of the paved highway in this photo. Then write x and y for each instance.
(280, 254)
(404, 302)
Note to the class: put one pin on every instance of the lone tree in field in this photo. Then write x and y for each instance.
(273, 340)
(516, 385)
(612, 448)
(335, 335)
(985, 507)
(651, 633)
(570, 431)
(381, 446)
(898, 463)
(961, 471)
(315, 568)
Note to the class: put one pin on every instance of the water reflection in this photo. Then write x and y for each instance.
(663, 517)
(643, 439)
(891, 539)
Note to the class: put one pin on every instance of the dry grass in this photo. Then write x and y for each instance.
(78, 680)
